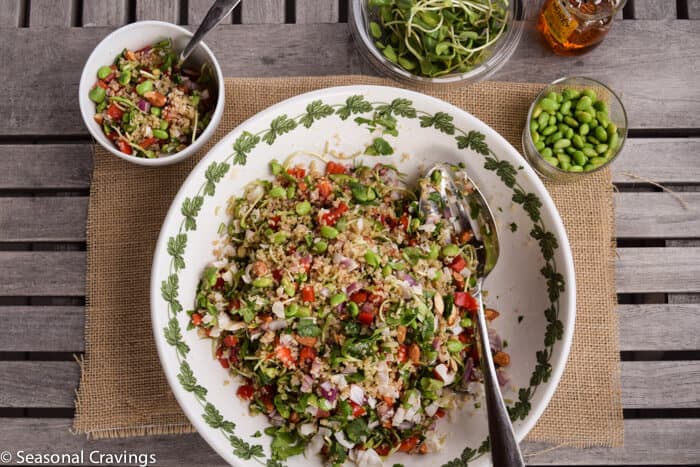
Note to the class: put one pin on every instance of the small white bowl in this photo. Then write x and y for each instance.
(135, 36)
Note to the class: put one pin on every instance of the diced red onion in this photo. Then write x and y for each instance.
(495, 340)
(468, 369)
(328, 391)
(307, 383)
(325, 292)
(352, 288)
(503, 378)
(144, 106)
(367, 306)
(408, 278)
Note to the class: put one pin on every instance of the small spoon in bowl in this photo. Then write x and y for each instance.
(448, 187)
(218, 11)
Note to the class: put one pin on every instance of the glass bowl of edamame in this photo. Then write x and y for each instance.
(427, 43)
(575, 126)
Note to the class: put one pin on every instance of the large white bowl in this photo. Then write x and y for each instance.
(135, 36)
(532, 286)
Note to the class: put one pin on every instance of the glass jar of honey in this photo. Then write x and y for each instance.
(573, 27)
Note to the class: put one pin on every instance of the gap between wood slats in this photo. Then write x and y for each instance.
(63, 219)
(639, 270)
(643, 328)
(645, 385)
(293, 50)
(68, 166)
(647, 442)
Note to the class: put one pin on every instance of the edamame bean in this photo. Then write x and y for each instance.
(583, 116)
(302, 208)
(552, 120)
(584, 103)
(546, 152)
(144, 87)
(580, 158)
(160, 134)
(552, 161)
(262, 282)
(589, 152)
(571, 94)
(535, 139)
(278, 192)
(611, 128)
(543, 121)
(338, 298)
(539, 145)
(353, 309)
(328, 232)
(584, 129)
(601, 148)
(575, 168)
(613, 141)
(320, 246)
(577, 141)
(564, 158)
(569, 133)
(564, 165)
(600, 134)
(125, 77)
(450, 250)
(598, 160)
(546, 132)
(565, 107)
(601, 106)
(278, 238)
(533, 128)
(602, 118)
(103, 72)
(562, 143)
(371, 258)
(155, 111)
(97, 95)
(590, 93)
(572, 122)
(548, 105)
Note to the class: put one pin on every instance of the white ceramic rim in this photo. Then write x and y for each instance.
(558, 360)
(87, 107)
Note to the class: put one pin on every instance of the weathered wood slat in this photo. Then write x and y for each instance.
(68, 166)
(663, 160)
(316, 11)
(42, 329)
(653, 327)
(655, 9)
(657, 215)
(647, 442)
(38, 384)
(105, 12)
(638, 215)
(11, 13)
(639, 270)
(197, 10)
(660, 385)
(693, 9)
(645, 385)
(293, 50)
(659, 327)
(162, 10)
(44, 273)
(262, 11)
(51, 166)
(665, 270)
(43, 219)
(51, 13)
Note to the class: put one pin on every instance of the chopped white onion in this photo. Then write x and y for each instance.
(278, 309)
(357, 395)
(317, 442)
(342, 440)
(432, 409)
(306, 429)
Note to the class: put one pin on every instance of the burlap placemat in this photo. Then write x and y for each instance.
(123, 391)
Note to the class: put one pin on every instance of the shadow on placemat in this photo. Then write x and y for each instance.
(123, 391)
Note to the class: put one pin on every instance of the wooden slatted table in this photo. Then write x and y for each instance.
(652, 56)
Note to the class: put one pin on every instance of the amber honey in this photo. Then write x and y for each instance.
(573, 27)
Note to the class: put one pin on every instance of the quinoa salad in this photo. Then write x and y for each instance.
(345, 314)
(148, 106)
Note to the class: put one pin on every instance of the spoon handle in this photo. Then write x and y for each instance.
(505, 451)
(216, 13)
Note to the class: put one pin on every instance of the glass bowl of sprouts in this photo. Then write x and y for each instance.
(437, 42)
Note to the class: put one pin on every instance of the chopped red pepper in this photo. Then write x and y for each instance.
(148, 142)
(403, 221)
(382, 450)
(357, 410)
(230, 340)
(306, 263)
(335, 168)
(246, 392)
(114, 112)
(234, 304)
(284, 355)
(366, 317)
(124, 147)
(302, 186)
(324, 188)
(440, 413)
(101, 84)
(402, 353)
(332, 216)
(306, 355)
(359, 297)
(408, 444)
(307, 294)
(458, 263)
(465, 300)
(196, 319)
(296, 172)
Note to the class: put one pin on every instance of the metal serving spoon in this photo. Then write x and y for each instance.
(216, 13)
(469, 211)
